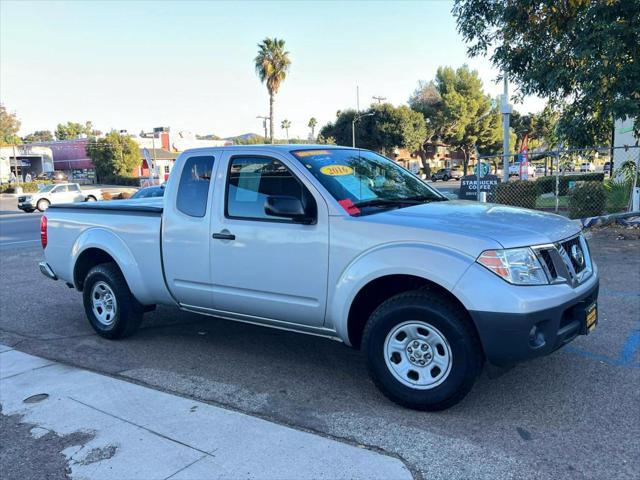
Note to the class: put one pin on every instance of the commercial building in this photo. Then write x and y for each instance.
(70, 156)
(24, 159)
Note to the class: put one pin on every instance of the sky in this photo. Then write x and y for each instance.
(189, 65)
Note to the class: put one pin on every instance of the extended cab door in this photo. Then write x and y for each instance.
(264, 266)
(185, 229)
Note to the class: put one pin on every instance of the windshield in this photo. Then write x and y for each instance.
(46, 188)
(365, 182)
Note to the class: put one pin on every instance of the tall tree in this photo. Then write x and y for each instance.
(387, 128)
(312, 125)
(458, 112)
(114, 154)
(9, 126)
(71, 130)
(580, 54)
(272, 65)
(286, 125)
(39, 136)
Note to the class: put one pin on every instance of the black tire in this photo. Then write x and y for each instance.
(43, 205)
(433, 178)
(445, 178)
(128, 312)
(91, 198)
(452, 322)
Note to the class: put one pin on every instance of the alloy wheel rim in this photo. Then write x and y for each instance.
(104, 304)
(418, 355)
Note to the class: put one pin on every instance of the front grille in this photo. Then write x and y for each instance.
(548, 262)
(573, 245)
(567, 261)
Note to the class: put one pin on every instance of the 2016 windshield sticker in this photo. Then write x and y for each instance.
(336, 170)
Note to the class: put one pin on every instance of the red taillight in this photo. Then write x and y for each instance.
(43, 231)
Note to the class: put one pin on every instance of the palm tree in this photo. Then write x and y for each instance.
(272, 64)
(312, 125)
(286, 124)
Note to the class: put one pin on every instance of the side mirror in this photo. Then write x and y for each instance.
(287, 207)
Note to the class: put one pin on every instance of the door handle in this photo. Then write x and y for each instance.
(224, 235)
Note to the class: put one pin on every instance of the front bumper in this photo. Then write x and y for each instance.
(26, 206)
(506, 337)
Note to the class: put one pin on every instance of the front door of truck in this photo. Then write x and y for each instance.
(264, 266)
(185, 230)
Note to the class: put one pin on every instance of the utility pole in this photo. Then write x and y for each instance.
(264, 124)
(379, 99)
(505, 109)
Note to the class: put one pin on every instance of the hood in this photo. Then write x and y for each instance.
(509, 226)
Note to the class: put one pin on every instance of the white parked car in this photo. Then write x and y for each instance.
(514, 170)
(587, 167)
(57, 194)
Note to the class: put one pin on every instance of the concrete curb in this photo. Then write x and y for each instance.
(606, 219)
(152, 434)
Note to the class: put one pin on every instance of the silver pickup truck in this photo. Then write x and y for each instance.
(336, 242)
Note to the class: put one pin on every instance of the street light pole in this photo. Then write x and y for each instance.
(505, 109)
(264, 124)
(356, 119)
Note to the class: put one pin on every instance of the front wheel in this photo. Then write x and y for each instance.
(433, 178)
(111, 308)
(422, 351)
(91, 198)
(445, 178)
(43, 204)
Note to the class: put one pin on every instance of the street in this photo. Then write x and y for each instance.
(17, 229)
(573, 414)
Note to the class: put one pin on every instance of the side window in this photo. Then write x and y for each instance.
(252, 179)
(74, 188)
(193, 190)
(60, 189)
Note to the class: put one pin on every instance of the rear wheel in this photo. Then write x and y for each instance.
(112, 310)
(43, 204)
(91, 198)
(422, 351)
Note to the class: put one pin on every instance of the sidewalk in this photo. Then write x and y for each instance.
(134, 432)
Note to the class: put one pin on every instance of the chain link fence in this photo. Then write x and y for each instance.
(577, 183)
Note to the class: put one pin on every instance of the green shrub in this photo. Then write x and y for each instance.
(548, 184)
(518, 193)
(587, 199)
(27, 187)
(618, 194)
(121, 180)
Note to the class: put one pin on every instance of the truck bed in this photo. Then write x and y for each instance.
(128, 230)
(123, 206)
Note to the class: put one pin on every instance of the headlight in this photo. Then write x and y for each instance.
(519, 266)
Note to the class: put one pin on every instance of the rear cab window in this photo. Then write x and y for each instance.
(193, 189)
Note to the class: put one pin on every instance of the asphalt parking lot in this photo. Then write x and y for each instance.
(574, 414)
